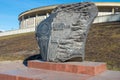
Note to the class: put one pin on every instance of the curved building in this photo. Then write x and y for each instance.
(31, 18)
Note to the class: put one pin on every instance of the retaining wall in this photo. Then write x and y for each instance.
(107, 18)
(99, 19)
(17, 31)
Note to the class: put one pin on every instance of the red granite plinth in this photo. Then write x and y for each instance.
(41, 74)
(90, 68)
(38, 70)
(16, 71)
(14, 77)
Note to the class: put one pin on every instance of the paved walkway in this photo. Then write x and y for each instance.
(8, 66)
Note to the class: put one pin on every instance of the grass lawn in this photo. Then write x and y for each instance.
(103, 45)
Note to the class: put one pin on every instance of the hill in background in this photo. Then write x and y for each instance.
(103, 45)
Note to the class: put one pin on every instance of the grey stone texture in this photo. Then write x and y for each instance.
(63, 34)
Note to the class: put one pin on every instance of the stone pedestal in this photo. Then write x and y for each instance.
(90, 68)
(38, 70)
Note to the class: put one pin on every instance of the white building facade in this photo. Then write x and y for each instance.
(33, 17)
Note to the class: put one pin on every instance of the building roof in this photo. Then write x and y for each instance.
(41, 9)
(37, 9)
(114, 4)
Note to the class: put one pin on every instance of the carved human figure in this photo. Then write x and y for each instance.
(43, 39)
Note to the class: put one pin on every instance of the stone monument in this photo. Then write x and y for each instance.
(61, 37)
(63, 34)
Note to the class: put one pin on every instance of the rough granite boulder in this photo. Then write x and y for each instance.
(63, 34)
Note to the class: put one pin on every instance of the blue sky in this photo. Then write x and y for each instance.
(10, 9)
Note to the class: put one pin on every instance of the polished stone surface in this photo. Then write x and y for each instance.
(15, 70)
(86, 67)
(62, 36)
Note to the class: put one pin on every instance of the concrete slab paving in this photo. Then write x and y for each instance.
(16, 68)
(11, 65)
(16, 71)
(107, 75)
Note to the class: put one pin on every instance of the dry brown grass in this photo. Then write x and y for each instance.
(18, 46)
(103, 45)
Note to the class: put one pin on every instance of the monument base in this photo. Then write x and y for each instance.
(86, 67)
(38, 70)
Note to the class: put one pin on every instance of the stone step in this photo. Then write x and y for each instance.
(41, 74)
(90, 68)
(17, 71)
